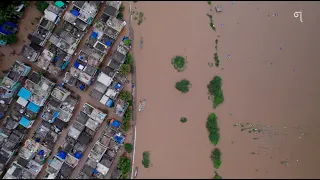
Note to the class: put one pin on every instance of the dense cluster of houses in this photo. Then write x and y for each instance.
(79, 136)
(35, 95)
(104, 152)
(30, 95)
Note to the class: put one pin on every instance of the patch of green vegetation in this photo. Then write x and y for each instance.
(183, 119)
(8, 12)
(183, 86)
(216, 59)
(215, 90)
(217, 41)
(126, 120)
(216, 175)
(146, 159)
(216, 158)
(125, 166)
(125, 69)
(209, 2)
(129, 59)
(121, 8)
(140, 19)
(10, 39)
(42, 5)
(127, 42)
(213, 129)
(179, 63)
(125, 95)
(120, 16)
(211, 22)
(128, 147)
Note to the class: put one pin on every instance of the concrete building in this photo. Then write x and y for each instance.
(112, 8)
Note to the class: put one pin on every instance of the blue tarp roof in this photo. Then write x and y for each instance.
(5, 31)
(55, 115)
(78, 155)
(24, 122)
(95, 171)
(76, 64)
(108, 43)
(117, 86)
(33, 107)
(109, 103)
(41, 152)
(75, 12)
(115, 123)
(94, 35)
(62, 155)
(118, 139)
(24, 93)
(125, 37)
(82, 87)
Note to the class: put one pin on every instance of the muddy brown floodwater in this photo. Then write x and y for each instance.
(271, 79)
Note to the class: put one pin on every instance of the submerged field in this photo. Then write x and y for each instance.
(268, 61)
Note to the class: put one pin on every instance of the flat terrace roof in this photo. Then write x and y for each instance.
(116, 24)
(112, 8)
(29, 53)
(45, 23)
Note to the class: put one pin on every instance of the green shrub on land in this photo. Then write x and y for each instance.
(183, 119)
(126, 120)
(183, 86)
(129, 59)
(179, 63)
(125, 69)
(42, 5)
(125, 166)
(125, 95)
(213, 129)
(216, 175)
(120, 16)
(128, 147)
(216, 158)
(214, 88)
(146, 159)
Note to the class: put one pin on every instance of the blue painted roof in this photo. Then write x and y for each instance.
(109, 103)
(24, 122)
(33, 107)
(24, 93)
(5, 31)
(75, 12)
(94, 35)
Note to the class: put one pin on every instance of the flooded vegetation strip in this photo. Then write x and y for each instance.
(126, 96)
(211, 22)
(179, 63)
(213, 129)
(146, 159)
(215, 90)
(216, 175)
(183, 119)
(183, 85)
(216, 60)
(139, 16)
(125, 166)
(209, 2)
(216, 158)
(120, 13)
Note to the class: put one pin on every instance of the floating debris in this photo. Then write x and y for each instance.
(232, 2)
(280, 48)
(230, 113)
(221, 25)
(229, 56)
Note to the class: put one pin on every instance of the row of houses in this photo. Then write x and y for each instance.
(79, 135)
(35, 151)
(30, 98)
(11, 83)
(29, 161)
(105, 32)
(103, 153)
(43, 31)
(110, 82)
